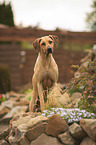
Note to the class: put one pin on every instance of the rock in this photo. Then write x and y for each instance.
(16, 110)
(22, 102)
(11, 140)
(5, 120)
(63, 100)
(89, 126)
(35, 132)
(56, 125)
(9, 104)
(5, 133)
(66, 138)
(21, 120)
(3, 111)
(35, 121)
(75, 98)
(29, 121)
(20, 130)
(23, 141)
(87, 141)
(77, 131)
(4, 142)
(43, 139)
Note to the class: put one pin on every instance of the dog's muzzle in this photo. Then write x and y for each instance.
(49, 50)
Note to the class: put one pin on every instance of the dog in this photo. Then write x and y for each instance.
(45, 70)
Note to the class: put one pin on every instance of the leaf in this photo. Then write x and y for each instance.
(75, 66)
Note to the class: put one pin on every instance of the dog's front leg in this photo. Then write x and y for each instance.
(32, 103)
(40, 92)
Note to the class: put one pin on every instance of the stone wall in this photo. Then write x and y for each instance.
(34, 129)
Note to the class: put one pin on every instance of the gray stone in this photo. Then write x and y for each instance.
(35, 132)
(9, 104)
(16, 110)
(77, 131)
(43, 139)
(56, 125)
(66, 138)
(89, 126)
(87, 141)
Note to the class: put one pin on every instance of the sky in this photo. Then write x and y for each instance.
(51, 14)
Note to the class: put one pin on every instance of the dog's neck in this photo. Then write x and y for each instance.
(46, 60)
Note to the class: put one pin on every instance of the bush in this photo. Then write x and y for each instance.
(85, 82)
(5, 84)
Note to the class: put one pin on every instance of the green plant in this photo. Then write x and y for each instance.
(85, 82)
(5, 84)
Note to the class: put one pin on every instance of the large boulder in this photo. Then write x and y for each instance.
(56, 125)
(89, 126)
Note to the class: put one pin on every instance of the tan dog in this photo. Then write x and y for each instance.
(45, 70)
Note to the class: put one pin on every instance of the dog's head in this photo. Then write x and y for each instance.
(46, 44)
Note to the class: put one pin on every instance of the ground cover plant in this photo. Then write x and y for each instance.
(69, 114)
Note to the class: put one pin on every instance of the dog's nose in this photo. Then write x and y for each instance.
(49, 49)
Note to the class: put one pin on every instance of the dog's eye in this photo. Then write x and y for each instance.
(43, 43)
(50, 42)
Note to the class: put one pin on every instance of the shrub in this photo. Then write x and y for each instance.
(5, 84)
(85, 82)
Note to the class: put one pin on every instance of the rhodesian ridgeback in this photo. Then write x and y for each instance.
(45, 71)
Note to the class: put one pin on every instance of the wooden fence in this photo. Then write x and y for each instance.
(21, 74)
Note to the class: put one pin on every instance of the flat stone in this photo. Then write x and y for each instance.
(21, 120)
(35, 121)
(87, 141)
(29, 121)
(66, 138)
(35, 132)
(77, 131)
(43, 139)
(89, 126)
(16, 110)
(56, 125)
(9, 104)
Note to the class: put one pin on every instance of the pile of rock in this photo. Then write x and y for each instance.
(34, 129)
(14, 104)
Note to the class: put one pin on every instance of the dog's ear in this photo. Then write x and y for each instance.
(55, 39)
(36, 44)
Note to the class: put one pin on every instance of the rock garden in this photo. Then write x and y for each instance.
(69, 117)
